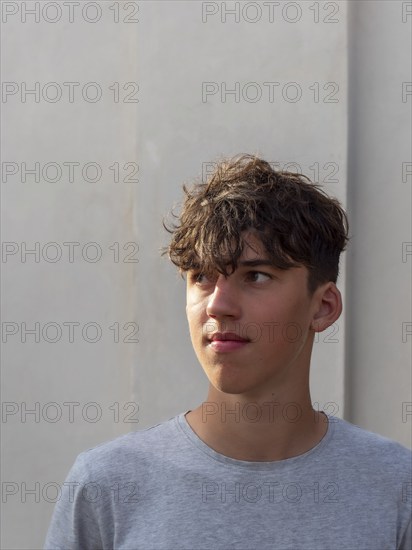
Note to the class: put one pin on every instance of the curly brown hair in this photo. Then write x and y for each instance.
(296, 221)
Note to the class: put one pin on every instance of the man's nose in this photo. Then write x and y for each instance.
(224, 301)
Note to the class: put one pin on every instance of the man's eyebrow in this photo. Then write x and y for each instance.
(257, 261)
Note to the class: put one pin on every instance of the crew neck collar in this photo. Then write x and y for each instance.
(272, 465)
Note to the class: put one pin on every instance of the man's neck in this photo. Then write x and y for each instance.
(268, 431)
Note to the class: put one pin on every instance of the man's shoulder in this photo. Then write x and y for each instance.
(365, 447)
(138, 447)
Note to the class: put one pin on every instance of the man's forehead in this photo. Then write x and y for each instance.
(253, 253)
(252, 247)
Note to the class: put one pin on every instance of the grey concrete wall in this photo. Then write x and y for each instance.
(312, 84)
(378, 317)
(73, 383)
(188, 118)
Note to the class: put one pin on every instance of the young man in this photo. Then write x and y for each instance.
(254, 467)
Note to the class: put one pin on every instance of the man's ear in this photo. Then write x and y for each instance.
(329, 307)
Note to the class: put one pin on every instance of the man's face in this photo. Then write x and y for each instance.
(269, 307)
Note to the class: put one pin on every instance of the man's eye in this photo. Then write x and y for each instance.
(198, 277)
(201, 278)
(254, 274)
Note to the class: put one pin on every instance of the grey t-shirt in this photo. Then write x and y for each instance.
(163, 488)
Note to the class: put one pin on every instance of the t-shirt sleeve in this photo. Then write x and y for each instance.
(74, 524)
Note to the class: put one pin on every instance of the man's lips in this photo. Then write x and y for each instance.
(226, 342)
(226, 336)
